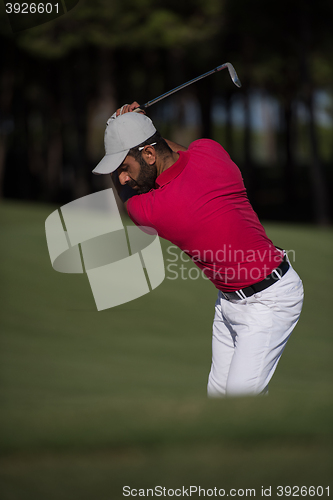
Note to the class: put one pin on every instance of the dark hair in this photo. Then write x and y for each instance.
(161, 146)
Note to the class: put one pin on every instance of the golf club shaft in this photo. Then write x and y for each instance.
(232, 73)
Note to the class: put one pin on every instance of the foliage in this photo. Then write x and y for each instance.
(125, 24)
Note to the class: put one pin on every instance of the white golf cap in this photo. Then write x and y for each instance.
(121, 134)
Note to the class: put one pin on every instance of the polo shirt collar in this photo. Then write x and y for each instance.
(172, 172)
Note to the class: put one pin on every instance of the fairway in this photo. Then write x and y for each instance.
(93, 401)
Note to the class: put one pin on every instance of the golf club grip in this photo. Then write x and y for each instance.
(138, 110)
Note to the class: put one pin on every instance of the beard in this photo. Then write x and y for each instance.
(146, 178)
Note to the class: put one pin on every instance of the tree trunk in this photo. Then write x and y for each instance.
(319, 190)
(289, 174)
(228, 125)
(205, 97)
(6, 95)
(80, 95)
(321, 203)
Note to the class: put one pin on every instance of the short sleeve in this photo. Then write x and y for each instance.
(140, 209)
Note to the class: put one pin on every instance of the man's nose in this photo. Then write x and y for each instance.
(123, 178)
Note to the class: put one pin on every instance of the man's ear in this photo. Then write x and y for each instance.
(149, 154)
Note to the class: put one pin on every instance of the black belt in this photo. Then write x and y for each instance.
(275, 275)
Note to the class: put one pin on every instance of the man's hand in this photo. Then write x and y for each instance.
(127, 108)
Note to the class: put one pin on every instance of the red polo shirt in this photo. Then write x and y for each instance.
(200, 204)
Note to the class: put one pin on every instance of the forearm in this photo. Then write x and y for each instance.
(174, 146)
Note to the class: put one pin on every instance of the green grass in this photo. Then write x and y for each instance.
(92, 401)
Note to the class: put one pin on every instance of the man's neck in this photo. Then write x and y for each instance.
(167, 162)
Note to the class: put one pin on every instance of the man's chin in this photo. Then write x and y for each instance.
(135, 187)
(143, 189)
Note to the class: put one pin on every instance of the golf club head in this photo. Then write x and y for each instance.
(233, 75)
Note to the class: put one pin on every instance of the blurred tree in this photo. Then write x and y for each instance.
(280, 47)
(61, 80)
(316, 41)
(129, 47)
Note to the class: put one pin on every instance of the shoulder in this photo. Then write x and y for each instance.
(207, 147)
(140, 208)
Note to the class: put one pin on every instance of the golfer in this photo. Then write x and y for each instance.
(195, 198)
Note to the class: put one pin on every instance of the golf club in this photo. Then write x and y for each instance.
(228, 65)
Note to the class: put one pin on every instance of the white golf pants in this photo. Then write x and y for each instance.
(249, 336)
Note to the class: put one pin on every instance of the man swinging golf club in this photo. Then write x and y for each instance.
(195, 198)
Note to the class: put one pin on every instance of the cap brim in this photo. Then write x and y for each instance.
(110, 163)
